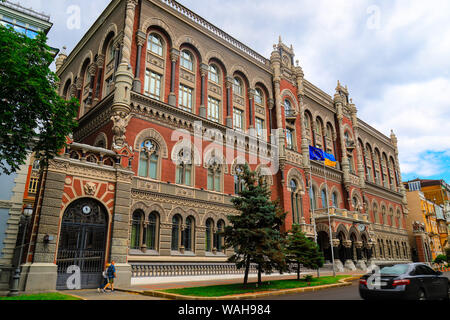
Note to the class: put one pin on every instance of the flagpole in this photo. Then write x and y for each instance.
(329, 219)
(313, 217)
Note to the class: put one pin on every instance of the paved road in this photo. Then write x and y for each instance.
(343, 293)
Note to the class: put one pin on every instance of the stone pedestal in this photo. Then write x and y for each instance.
(229, 122)
(123, 272)
(38, 277)
(361, 265)
(338, 266)
(349, 265)
(202, 111)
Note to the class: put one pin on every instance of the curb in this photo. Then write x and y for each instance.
(171, 296)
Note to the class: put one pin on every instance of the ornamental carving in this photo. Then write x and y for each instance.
(120, 122)
(90, 188)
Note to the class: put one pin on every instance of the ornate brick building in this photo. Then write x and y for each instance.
(171, 107)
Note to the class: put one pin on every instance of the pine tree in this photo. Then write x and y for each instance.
(255, 233)
(302, 251)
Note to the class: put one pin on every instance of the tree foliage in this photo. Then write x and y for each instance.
(255, 233)
(33, 116)
(302, 251)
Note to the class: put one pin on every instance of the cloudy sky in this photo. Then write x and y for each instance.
(393, 55)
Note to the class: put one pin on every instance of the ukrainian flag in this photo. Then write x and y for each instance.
(330, 160)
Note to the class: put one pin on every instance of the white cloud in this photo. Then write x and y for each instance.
(398, 74)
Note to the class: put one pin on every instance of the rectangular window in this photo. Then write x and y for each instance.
(213, 109)
(153, 85)
(260, 127)
(185, 98)
(238, 119)
(289, 139)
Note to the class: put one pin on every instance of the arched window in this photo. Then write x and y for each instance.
(136, 230)
(186, 60)
(176, 230)
(189, 234)
(334, 200)
(151, 231)
(238, 87)
(213, 74)
(148, 159)
(184, 167)
(375, 213)
(209, 235)
(155, 44)
(220, 236)
(239, 183)
(383, 214)
(259, 96)
(288, 111)
(296, 203)
(324, 199)
(214, 175)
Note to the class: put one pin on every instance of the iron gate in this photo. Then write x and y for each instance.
(82, 243)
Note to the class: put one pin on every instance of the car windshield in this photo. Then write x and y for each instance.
(397, 269)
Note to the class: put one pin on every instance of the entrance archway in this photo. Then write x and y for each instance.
(82, 243)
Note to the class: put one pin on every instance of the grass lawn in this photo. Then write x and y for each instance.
(238, 288)
(42, 296)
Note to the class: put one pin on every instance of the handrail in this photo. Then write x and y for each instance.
(210, 27)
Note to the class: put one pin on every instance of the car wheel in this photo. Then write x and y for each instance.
(421, 295)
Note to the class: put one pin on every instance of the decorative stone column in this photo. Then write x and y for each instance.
(203, 73)
(251, 96)
(229, 85)
(137, 85)
(275, 60)
(349, 262)
(174, 55)
(360, 264)
(337, 261)
(123, 82)
(340, 116)
(271, 105)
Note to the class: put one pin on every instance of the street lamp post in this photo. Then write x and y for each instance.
(24, 220)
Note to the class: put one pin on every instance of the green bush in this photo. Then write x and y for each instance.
(440, 259)
(308, 278)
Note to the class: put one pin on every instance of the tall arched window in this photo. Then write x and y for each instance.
(288, 111)
(148, 159)
(209, 235)
(136, 229)
(176, 232)
(189, 234)
(155, 44)
(220, 236)
(213, 74)
(238, 87)
(151, 231)
(239, 183)
(355, 202)
(383, 214)
(324, 199)
(214, 175)
(334, 200)
(375, 213)
(259, 96)
(184, 167)
(296, 203)
(186, 60)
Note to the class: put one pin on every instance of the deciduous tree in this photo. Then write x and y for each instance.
(33, 116)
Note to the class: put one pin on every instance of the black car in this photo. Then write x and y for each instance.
(413, 281)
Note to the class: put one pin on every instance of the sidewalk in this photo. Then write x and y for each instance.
(162, 283)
